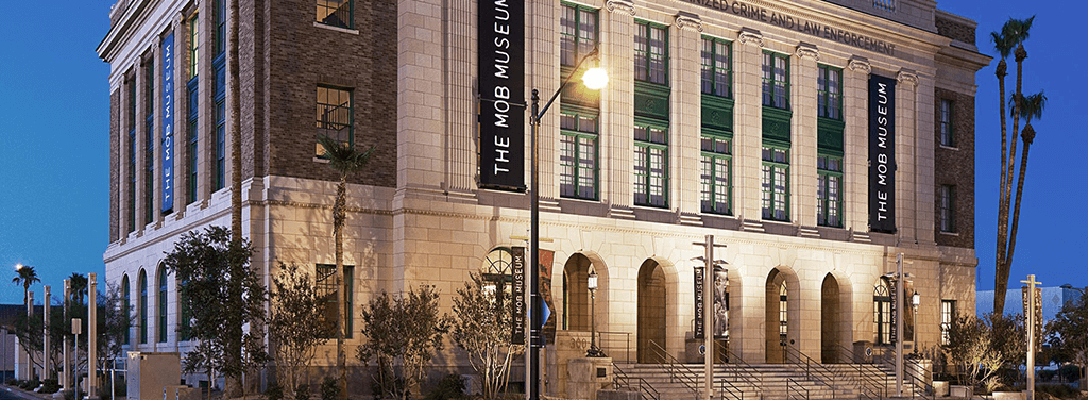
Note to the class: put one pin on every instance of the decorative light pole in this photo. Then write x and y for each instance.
(595, 78)
(594, 351)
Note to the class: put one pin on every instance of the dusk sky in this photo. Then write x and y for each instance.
(54, 142)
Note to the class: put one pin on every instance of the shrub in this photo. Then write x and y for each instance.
(302, 392)
(29, 385)
(330, 389)
(1059, 391)
(1069, 373)
(451, 387)
(49, 386)
(12, 382)
(274, 392)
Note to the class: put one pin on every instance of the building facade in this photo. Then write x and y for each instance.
(816, 139)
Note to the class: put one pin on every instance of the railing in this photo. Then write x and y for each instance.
(792, 386)
(910, 378)
(610, 345)
(725, 387)
(814, 371)
(868, 382)
(646, 391)
(742, 371)
(677, 370)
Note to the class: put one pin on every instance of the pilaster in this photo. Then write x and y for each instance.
(855, 168)
(141, 140)
(685, 69)
(907, 183)
(748, 134)
(543, 72)
(803, 131)
(461, 162)
(206, 105)
(617, 143)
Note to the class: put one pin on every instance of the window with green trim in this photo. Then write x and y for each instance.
(946, 199)
(194, 45)
(776, 80)
(776, 172)
(149, 143)
(578, 156)
(143, 307)
(651, 166)
(336, 13)
(220, 27)
(193, 95)
(715, 191)
(829, 190)
(882, 311)
(578, 33)
(131, 155)
(220, 122)
(944, 121)
(651, 54)
(829, 92)
(717, 68)
(334, 116)
(161, 300)
(126, 308)
(326, 288)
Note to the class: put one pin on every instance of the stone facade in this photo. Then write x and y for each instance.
(418, 216)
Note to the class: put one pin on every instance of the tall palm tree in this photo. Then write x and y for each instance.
(26, 277)
(1031, 108)
(1013, 33)
(345, 159)
(234, 352)
(78, 286)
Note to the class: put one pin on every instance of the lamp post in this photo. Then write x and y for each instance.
(594, 78)
(594, 351)
(916, 300)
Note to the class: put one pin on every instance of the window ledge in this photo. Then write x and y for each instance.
(333, 28)
(320, 160)
(948, 233)
(580, 200)
(948, 147)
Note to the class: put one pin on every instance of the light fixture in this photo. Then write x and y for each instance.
(917, 299)
(592, 280)
(595, 77)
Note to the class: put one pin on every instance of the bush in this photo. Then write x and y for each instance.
(330, 389)
(274, 392)
(1069, 373)
(29, 385)
(452, 387)
(1059, 391)
(12, 382)
(302, 392)
(49, 386)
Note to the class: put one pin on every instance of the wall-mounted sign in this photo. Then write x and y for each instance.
(881, 154)
(167, 123)
(721, 303)
(501, 64)
(517, 272)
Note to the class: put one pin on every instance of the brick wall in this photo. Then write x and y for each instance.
(115, 162)
(300, 56)
(956, 166)
(956, 30)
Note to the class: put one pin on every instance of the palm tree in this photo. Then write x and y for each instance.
(345, 159)
(78, 285)
(1031, 108)
(1013, 33)
(27, 277)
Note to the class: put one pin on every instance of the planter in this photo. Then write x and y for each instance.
(940, 388)
(961, 391)
(1008, 395)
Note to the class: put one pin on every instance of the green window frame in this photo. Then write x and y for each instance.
(651, 186)
(149, 144)
(161, 300)
(336, 13)
(126, 307)
(132, 156)
(577, 34)
(946, 208)
(143, 307)
(775, 185)
(829, 92)
(220, 122)
(776, 80)
(193, 93)
(829, 190)
(651, 52)
(946, 131)
(335, 116)
(717, 67)
(220, 27)
(882, 311)
(579, 154)
(326, 287)
(715, 177)
(194, 45)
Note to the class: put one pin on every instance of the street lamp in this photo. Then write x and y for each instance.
(595, 78)
(916, 300)
(594, 351)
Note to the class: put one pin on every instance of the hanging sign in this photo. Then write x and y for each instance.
(167, 123)
(501, 68)
(518, 320)
(881, 154)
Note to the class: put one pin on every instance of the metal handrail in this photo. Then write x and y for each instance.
(913, 380)
(825, 376)
(727, 387)
(742, 366)
(626, 350)
(868, 383)
(621, 379)
(674, 365)
(789, 395)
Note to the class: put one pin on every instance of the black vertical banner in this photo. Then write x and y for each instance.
(501, 62)
(517, 271)
(881, 154)
(699, 302)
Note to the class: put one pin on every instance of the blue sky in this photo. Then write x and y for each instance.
(54, 142)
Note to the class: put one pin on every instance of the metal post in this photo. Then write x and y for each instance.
(46, 360)
(899, 324)
(535, 338)
(66, 374)
(29, 314)
(77, 328)
(708, 319)
(1030, 313)
(593, 318)
(92, 336)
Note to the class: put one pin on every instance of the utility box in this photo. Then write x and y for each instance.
(149, 373)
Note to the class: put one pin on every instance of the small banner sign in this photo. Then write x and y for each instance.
(167, 145)
(501, 69)
(517, 270)
(881, 154)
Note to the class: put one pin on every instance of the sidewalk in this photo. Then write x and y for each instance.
(24, 394)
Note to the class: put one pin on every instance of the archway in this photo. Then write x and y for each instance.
(576, 293)
(782, 310)
(830, 309)
(651, 312)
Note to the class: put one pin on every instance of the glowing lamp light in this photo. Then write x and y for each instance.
(595, 78)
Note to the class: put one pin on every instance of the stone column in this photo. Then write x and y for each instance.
(157, 133)
(685, 66)
(748, 136)
(206, 105)
(140, 142)
(906, 159)
(459, 54)
(856, 143)
(617, 103)
(803, 152)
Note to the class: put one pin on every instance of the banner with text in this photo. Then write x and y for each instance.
(721, 303)
(167, 123)
(501, 64)
(518, 316)
(881, 154)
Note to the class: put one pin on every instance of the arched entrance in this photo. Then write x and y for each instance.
(576, 293)
(651, 312)
(830, 310)
(780, 297)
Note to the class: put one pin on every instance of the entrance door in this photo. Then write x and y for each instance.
(829, 320)
(651, 313)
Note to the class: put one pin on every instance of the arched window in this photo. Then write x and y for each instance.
(143, 306)
(183, 322)
(882, 311)
(126, 306)
(495, 271)
(162, 303)
(782, 315)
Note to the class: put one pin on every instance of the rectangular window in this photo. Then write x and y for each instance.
(194, 46)
(220, 27)
(578, 156)
(651, 57)
(944, 119)
(775, 184)
(829, 191)
(578, 33)
(829, 92)
(193, 94)
(132, 156)
(651, 166)
(337, 13)
(715, 192)
(776, 80)
(220, 122)
(326, 288)
(946, 198)
(948, 315)
(716, 67)
(149, 144)
(334, 116)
